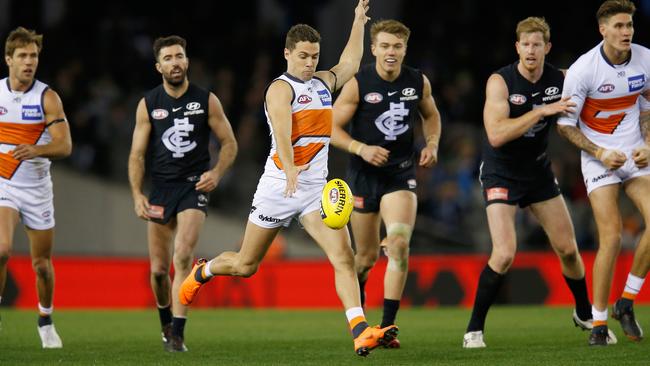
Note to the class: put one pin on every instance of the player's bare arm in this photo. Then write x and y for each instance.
(431, 126)
(136, 159)
(351, 56)
(612, 159)
(501, 129)
(61, 144)
(223, 131)
(278, 103)
(641, 155)
(344, 108)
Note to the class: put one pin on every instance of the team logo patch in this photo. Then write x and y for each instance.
(497, 194)
(411, 183)
(517, 99)
(304, 99)
(156, 212)
(203, 200)
(358, 202)
(46, 214)
(32, 112)
(159, 114)
(373, 98)
(3, 111)
(606, 88)
(552, 90)
(325, 97)
(636, 82)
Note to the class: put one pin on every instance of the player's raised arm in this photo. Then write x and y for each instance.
(136, 159)
(61, 144)
(352, 53)
(228, 145)
(431, 126)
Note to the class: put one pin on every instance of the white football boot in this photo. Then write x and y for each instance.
(588, 325)
(49, 337)
(473, 339)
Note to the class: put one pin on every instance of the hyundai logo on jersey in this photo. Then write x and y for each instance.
(32, 112)
(636, 82)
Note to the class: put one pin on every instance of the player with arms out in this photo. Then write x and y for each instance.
(522, 101)
(384, 101)
(298, 107)
(175, 121)
(611, 125)
(33, 130)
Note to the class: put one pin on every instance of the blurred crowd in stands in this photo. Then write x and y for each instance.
(98, 57)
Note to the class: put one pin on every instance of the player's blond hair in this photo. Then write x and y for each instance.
(21, 37)
(389, 26)
(301, 33)
(613, 7)
(532, 25)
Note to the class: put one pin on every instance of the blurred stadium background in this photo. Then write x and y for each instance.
(97, 56)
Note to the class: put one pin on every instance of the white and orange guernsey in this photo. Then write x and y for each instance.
(607, 97)
(311, 128)
(22, 121)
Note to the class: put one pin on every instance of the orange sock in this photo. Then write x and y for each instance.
(629, 296)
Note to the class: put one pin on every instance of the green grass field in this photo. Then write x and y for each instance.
(515, 335)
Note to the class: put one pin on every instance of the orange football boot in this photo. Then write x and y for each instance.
(373, 337)
(192, 283)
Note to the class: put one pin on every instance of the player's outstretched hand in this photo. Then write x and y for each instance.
(361, 10)
(612, 159)
(564, 105)
(292, 179)
(208, 182)
(374, 155)
(641, 156)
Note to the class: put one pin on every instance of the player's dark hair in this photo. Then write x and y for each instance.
(301, 33)
(162, 42)
(21, 37)
(613, 7)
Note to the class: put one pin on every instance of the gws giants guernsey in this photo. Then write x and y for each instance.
(311, 128)
(607, 97)
(22, 121)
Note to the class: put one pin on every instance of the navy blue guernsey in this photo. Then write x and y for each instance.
(385, 117)
(522, 157)
(180, 134)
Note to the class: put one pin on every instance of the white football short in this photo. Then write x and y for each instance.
(271, 209)
(34, 204)
(596, 175)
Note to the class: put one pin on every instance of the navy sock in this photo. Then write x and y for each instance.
(625, 303)
(358, 329)
(165, 315)
(390, 312)
(488, 286)
(44, 320)
(178, 326)
(579, 290)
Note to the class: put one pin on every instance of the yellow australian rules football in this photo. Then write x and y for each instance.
(336, 204)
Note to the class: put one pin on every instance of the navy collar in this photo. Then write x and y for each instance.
(602, 53)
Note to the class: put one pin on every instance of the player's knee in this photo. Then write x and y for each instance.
(568, 254)
(42, 267)
(365, 261)
(502, 261)
(397, 251)
(183, 260)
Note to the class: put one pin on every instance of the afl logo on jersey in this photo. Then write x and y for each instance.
(373, 98)
(606, 88)
(3, 111)
(159, 114)
(304, 99)
(552, 90)
(517, 99)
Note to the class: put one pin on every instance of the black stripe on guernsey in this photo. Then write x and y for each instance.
(55, 122)
(325, 84)
(43, 99)
(293, 92)
(358, 329)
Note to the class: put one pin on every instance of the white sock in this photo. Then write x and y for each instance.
(598, 315)
(633, 284)
(44, 310)
(206, 270)
(352, 313)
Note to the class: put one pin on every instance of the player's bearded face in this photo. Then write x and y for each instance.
(173, 64)
(176, 75)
